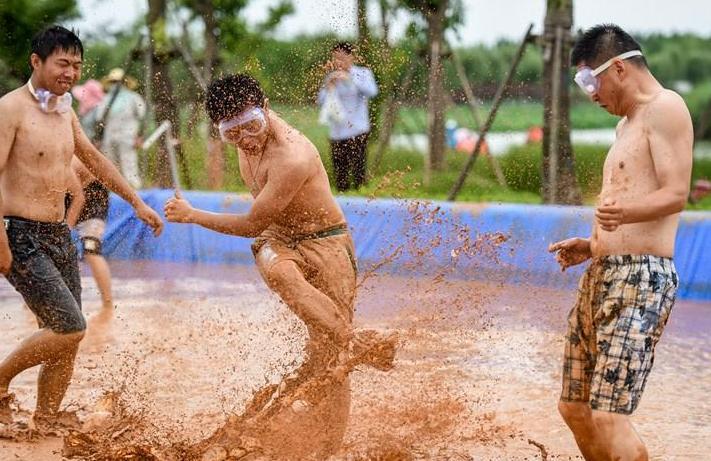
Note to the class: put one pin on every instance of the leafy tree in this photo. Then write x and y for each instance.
(20, 20)
(438, 16)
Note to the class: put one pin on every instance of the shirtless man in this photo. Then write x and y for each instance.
(626, 295)
(39, 136)
(302, 246)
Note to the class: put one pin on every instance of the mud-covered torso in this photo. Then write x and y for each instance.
(629, 176)
(34, 180)
(313, 207)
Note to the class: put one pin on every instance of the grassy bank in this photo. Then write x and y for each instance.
(402, 172)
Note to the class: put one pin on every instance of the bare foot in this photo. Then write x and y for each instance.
(17, 431)
(58, 424)
(369, 347)
(228, 442)
(98, 332)
(5, 411)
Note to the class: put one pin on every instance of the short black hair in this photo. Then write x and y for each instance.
(602, 42)
(229, 95)
(345, 47)
(53, 38)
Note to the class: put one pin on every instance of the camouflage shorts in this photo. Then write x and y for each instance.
(623, 304)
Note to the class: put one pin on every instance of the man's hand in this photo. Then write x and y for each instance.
(5, 259)
(609, 215)
(177, 209)
(571, 252)
(337, 75)
(150, 217)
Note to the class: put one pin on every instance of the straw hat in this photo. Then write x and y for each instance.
(89, 95)
(116, 75)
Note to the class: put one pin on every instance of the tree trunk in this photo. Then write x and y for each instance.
(435, 91)
(559, 182)
(362, 16)
(207, 13)
(399, 88)
(215, 146)
(164, 104)
(385, 21)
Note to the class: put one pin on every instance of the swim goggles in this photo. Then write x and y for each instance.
(586, 78)
(252, 122)
(50, 102)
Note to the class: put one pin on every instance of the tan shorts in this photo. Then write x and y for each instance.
(325, 258)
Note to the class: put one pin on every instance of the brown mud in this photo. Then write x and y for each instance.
(192, 364)
(189, 345)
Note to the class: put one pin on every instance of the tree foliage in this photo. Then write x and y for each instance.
(20, 20)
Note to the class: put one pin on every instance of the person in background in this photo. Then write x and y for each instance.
(122, 112)
(91, 221)
(343, 98)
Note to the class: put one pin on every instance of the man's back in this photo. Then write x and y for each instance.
(41, 146)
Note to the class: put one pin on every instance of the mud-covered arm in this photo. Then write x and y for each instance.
(78, 199)
(671, 138)
(670, 135)
(283, 184)
(106, 172)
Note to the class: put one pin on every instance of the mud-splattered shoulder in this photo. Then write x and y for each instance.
(11, 103)
(666, 100)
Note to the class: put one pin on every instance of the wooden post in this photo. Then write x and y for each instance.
(498, 98)
(469, 93)
(559, 184)
(435, 94)
(554, 122)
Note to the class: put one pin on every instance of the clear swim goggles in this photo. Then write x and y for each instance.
(586, 78)
(50, 102)
(251, 122)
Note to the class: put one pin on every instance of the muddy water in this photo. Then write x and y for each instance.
(477, 375)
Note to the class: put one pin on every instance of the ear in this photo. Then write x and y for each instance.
(619, 68)
(266, 104)
(35, 61)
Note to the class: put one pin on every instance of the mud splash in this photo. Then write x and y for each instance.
(476, 376)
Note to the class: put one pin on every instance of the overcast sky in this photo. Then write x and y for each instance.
(486, 21)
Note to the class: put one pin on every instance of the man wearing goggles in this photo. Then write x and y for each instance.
(39, 136)
(249, 124)
(305, 254)
(587, 79)
(626, 294)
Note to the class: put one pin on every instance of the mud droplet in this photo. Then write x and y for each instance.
(238, 453)
(299, 406)
(215, 454)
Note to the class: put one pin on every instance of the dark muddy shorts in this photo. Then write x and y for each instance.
(45, 271)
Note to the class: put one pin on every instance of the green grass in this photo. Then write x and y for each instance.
(511, 116)
(402, 171)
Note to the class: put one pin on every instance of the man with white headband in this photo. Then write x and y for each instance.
(302, 247)
(39, 135)
(626, 295)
